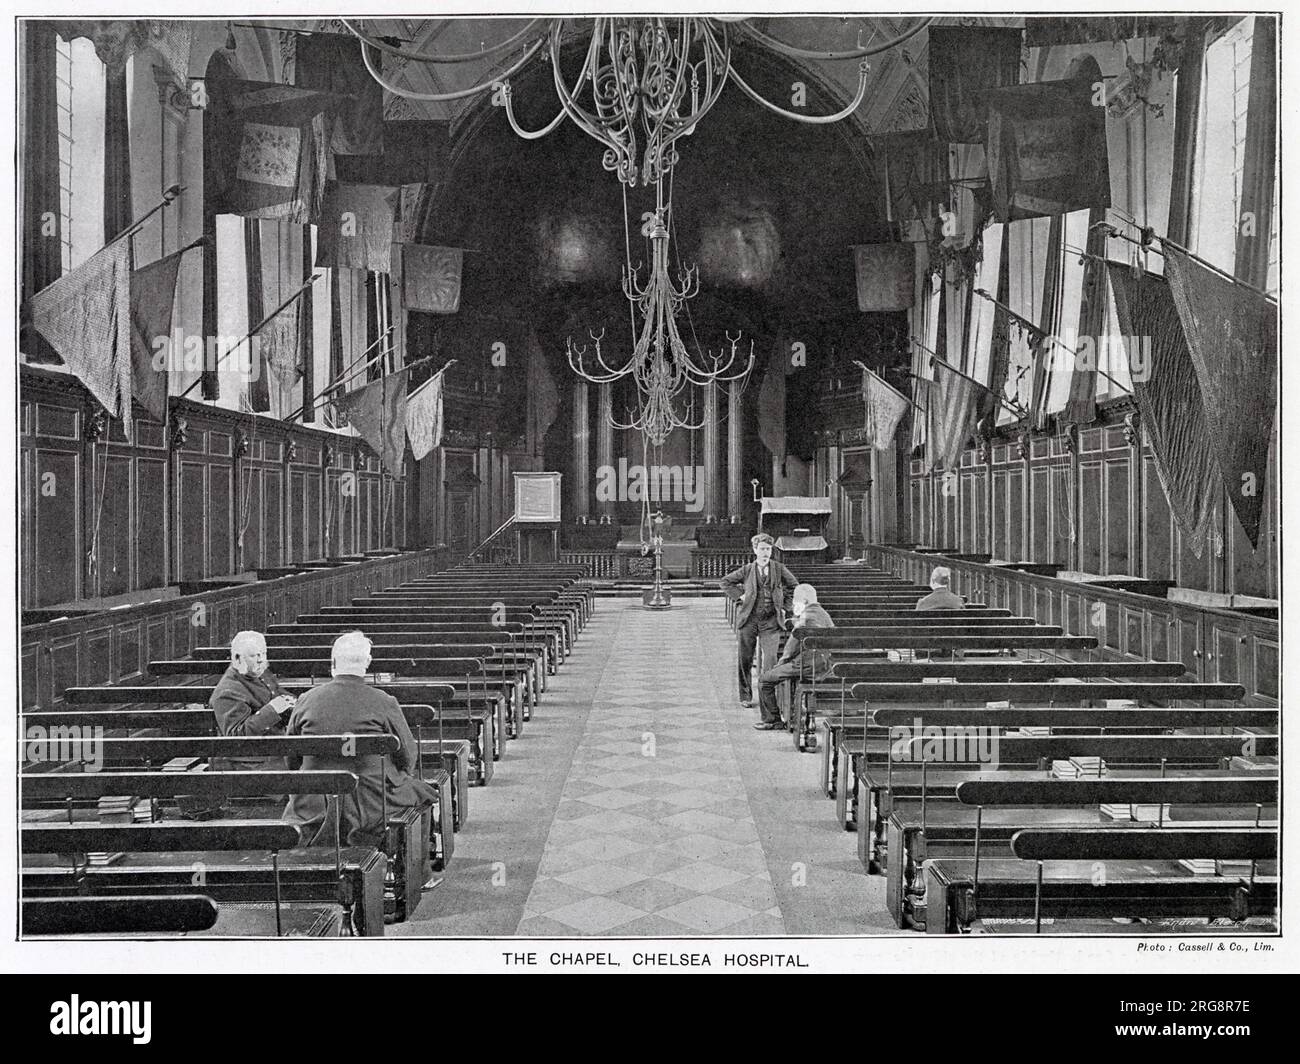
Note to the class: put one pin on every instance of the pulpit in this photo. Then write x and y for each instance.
(798, 524)
(537, 517)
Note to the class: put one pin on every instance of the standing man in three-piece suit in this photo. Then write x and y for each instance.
(763, 588)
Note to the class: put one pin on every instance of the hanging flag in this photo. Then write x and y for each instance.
(332, 62)
(1081, 407)
(86, 317)
(771, 404)
(406, 214)
(952, 415)
(886, 275)
(1046, 149)
(543, 397)
(356, 226)
(1231, 334)
(431, 278)
(1169, 400)
(378, 413)
(885, 405)
(153, 295)
(414, 152)
(270, 149)
(916, 170)
(965, 63)
(424, 416)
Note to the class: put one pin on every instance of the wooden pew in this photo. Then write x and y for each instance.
(475, 721)
(1143, 879)
(181, 914)
(451, 756)
(356, 877)
(499, 690)
(918, 829)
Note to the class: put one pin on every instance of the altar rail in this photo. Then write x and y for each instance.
(601, 564)
(1216, 645)
(113, 646)
(713, 563)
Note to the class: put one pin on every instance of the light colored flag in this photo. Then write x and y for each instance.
(86, 317)
(431, 278)
(153, 295)
(885, 405)
(378, 413)
(424, 415)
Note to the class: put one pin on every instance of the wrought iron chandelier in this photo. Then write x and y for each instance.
(644, 84)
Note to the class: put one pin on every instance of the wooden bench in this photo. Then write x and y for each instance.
(1142, 878)
(117, 916)
(918, 829)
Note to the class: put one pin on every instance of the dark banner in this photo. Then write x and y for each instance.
(965, 63)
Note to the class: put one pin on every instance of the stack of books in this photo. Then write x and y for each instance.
(184, 764)
(103, 858)
(1208, 866)
(1040, 731)
(1078, 768)
(116, 809)
(1261, 763)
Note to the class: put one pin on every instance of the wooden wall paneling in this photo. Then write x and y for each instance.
(297, 513)
(221, 518)
(65, 665)
(58, 544)
(191, 511)
(248, 518)
(1040, 513)
(312, 512)
(1091, 519)
(1117, 503)
(150, 536)
(1158, 526)
(129, 643)
(272, 492)
(29, 676)
(1266, 668)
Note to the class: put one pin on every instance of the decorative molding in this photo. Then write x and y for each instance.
(984, 450)
(1022, 445)
(1132, 429)
(97, 424)
(241, 443)
(329, 456)
(291, 451)
(179, 432)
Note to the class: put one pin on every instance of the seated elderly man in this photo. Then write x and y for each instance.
(347, 705)
(248, 700)
(795, 660)
(941, 597)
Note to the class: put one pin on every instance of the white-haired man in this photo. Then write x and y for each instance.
(941, 597)
(248, 700)
(795, 660)
(347, 705)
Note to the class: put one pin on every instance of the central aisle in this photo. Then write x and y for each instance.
(641, 802)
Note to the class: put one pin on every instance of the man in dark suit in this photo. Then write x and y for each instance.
(795, 660)
(347, 705)
(762, 587)
(248, 700)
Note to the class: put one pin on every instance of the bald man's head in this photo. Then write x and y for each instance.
(248, 654)
(350, 655)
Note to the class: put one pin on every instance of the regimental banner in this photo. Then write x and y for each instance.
(1231, 333)
(1046, 149)
(153, 295)
(424, 416)
(333, 62)
(886, 275)
(86, 317)
(357, 225)
(378, 413)
(965, 63)
(885, 406)
(431, 278)
(1169, 401)
(270, 149)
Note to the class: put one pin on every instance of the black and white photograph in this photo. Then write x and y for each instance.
(621, 491)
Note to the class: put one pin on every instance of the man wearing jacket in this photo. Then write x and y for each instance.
(248, 701)
(795, 660)
(762, 588)
(347, 705)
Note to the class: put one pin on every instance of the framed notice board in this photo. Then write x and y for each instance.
(537, 497)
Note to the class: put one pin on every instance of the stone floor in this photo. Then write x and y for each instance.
(640, 802)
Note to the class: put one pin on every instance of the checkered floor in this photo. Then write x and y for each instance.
(653, 834)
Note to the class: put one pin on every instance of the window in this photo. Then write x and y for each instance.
(81, 149)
